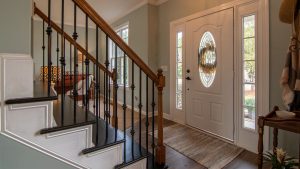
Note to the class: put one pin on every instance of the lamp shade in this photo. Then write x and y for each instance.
(55, 73)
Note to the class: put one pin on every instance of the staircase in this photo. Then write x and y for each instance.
(80, 116)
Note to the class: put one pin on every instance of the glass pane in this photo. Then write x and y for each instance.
(249, 106)
(179, 70)
(179, 86)
(207, 59)
(179, 54)
(249, 118)
(249, 26)
(249, 95)
(249, 71)
(249, 49)
(179, 39)
(179, 101)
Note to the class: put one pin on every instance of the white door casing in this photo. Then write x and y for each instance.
(211, 108)
(262, 86)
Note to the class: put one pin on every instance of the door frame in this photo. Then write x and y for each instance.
(262, 71)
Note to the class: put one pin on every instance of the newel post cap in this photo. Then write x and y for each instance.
(160, 79)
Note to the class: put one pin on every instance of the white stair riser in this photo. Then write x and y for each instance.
(24, 121)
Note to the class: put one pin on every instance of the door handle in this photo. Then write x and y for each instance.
(188, 78)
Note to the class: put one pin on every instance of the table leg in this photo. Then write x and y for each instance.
(260, 142)
(275, 139)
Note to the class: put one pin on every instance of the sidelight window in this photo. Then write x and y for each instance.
(249, 72)
(179, 54)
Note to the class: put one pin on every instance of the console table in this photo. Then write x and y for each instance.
(271, 120)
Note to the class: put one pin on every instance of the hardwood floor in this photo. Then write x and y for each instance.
(176, 160)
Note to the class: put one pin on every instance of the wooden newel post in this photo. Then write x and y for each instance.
(114, 118)
(160, 148)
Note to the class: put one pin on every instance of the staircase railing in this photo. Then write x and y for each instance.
(113, 79)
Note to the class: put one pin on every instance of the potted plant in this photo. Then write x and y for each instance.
(279, 160)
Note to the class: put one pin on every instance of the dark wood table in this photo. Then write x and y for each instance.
(69, 82)
(271, 120)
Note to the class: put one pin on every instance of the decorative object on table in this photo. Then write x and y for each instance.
(279, 160)
(290, 79)
(55, 73)
(285, 114)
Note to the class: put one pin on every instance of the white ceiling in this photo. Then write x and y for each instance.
(110, 10)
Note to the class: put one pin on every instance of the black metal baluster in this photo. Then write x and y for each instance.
(153, 120)
(62, 60)
(97, 85)
(71, 73)
(109, 90)
(116, 95)
(83, 77)
(49, 32)
(147, 119)
(87, 64)
(132, 109)
(75, 92)
(107, 113)
(43, 48)
(104, 96)
(107, 105)
(124, 100)
(140, 112)
(94, 97)
(57, 56)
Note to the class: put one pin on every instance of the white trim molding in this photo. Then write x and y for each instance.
(262, 69)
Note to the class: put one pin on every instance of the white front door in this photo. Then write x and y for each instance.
(209, 73)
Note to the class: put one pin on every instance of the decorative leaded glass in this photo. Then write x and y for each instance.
(207, 59)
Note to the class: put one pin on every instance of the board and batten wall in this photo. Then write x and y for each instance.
(176, 9)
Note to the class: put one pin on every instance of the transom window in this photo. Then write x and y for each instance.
(249, 72)
(123, 32)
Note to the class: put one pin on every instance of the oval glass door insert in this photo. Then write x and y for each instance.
(207, 59)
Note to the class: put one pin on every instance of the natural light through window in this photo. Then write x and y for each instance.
(123, 33)
(179, 70)
(249, 73)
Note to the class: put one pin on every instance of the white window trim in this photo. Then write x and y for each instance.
(116, 29)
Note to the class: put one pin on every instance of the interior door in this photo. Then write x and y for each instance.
(209, 73)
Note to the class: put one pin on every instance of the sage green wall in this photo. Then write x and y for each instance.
(279, 41)
(14, 155)
(138, 30)
(15, 19)
(142, 36)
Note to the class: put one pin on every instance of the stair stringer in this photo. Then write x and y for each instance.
(22, 122)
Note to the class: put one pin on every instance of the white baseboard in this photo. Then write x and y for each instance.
(168, 116)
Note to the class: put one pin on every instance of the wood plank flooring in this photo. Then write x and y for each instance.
(176, 160)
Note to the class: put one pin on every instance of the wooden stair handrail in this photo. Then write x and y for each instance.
(104, 26)
(38, 12)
